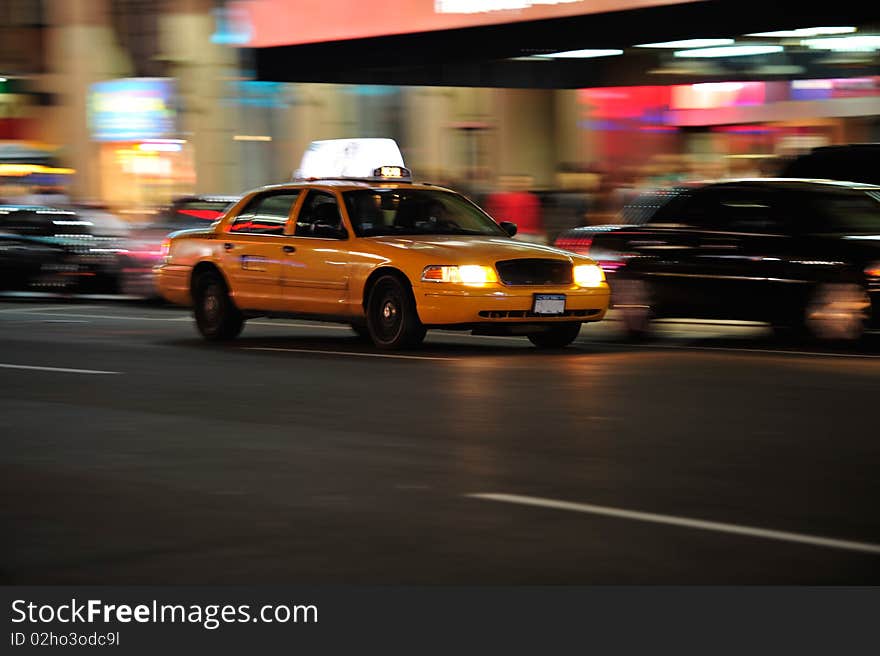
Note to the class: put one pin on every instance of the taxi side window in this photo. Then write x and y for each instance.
(319, 217)
(265, 215)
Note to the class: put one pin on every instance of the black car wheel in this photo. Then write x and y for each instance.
(392, 319)
(556, 337)
(837, 312)
(217, 317)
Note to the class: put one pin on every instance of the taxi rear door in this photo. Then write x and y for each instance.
(254, 248)
(315, 274)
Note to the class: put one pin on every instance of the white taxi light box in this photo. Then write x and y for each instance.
(350, 158)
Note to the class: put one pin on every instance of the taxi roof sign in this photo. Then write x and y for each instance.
(364, 158)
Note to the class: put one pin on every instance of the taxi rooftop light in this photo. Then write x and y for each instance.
(358, 159)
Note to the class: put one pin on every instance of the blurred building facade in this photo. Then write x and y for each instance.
(148, 99)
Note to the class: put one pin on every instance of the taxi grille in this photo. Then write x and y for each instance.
(534, 272)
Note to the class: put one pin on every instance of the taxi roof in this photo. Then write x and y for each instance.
(798, 181)
(350, 184)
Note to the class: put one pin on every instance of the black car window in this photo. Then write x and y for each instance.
(640, 210)
(319, 217)
(265, 215)
(751, 210)
(698, 208)
(845, 212)
(44, 223)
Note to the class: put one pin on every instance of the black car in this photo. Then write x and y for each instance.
(52, 249)
(633, 214)
(144, 244)
(858, 162)
(800, 254)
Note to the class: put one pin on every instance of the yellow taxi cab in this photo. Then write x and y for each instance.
(388, 256)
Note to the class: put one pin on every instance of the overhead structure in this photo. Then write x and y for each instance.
(572, 44)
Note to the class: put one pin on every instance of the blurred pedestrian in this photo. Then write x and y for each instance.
(515, 203)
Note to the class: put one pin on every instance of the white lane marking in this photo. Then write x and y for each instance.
(361, 355)
(735, 349)
(110, 316)
(63, 370)
(687, 522)
(51, 308)
(298, 325)
(520, 340)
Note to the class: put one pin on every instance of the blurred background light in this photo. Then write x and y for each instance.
(859, 43)
(582, 54)
(730, 51)
(805, 32)
(689, 43)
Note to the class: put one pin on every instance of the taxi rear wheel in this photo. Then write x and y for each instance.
(556, 337)
(391, 315)
(217, 317)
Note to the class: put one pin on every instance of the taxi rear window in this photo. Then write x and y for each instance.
(377, 212)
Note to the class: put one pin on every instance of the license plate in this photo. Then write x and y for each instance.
(549, 304)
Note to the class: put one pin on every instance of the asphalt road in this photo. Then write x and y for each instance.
(133, 452)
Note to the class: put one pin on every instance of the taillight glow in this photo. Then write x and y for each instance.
(207, 215)
(580, 245)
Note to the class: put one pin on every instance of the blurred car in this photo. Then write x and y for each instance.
(51, 249)
(635, 213)
(803, 255)
(390, 257)
(144, 243)
(858, 162)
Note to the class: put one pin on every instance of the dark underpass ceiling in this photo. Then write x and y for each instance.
(482, 56)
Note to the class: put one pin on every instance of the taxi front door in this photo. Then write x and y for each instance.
(253, 250)
(315, 273)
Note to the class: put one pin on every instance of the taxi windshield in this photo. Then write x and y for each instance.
(377, 212)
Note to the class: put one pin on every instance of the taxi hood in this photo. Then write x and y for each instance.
(466, 249)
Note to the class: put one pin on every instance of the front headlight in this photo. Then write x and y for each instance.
(468, 274)
(588, 275)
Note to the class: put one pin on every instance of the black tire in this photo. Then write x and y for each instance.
(558, 336)
(392, 320)
(217, 318)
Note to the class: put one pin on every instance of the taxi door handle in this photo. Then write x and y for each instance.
(288, 249)
(228, 246)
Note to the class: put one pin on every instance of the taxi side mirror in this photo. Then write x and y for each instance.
(509, 228)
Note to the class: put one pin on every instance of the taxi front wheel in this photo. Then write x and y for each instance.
(391, 315)
(217, 317)
(556, 337)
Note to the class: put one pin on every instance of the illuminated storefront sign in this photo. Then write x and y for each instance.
(264, 23)
(132, 109)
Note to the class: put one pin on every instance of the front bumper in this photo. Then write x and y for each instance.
(500, 304)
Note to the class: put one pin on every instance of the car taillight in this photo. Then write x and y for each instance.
(579, 245)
